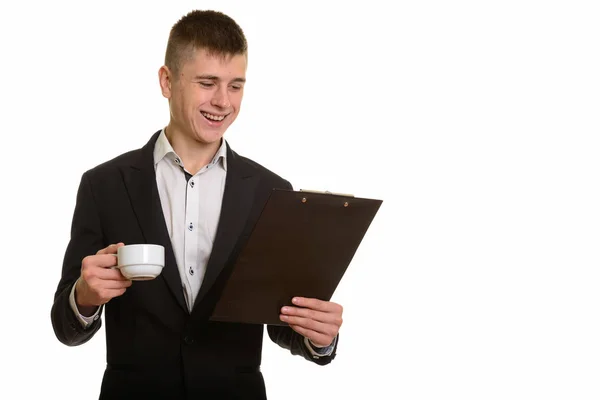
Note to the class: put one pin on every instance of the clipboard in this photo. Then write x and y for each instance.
(301, 245)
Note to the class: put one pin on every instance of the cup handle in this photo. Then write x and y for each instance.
(115, 266)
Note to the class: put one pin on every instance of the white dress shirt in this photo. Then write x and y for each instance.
(191, 207)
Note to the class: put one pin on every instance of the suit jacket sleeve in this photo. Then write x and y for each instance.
(86, 239)
(289, 339)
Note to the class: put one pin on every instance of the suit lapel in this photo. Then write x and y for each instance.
(238, 197)
(140, 181)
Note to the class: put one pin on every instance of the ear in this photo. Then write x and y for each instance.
(165, 79)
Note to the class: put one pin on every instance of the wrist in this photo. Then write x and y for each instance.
(86, 309)
(318, 346)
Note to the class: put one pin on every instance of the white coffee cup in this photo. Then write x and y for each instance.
(141, 262)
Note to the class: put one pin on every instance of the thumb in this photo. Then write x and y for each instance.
(112, 249)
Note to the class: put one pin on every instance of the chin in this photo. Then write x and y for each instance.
(209, 138)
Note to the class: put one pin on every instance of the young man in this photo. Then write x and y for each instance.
(187, 190)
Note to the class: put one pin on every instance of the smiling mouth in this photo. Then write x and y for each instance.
(213, 117)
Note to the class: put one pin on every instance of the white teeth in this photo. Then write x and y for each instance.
(213, 117)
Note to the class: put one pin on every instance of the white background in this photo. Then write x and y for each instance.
(476, 122)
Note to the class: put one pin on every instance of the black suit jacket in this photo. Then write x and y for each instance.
(155, 346)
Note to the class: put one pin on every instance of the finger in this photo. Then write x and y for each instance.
(105, 274)
(316, 304)
(320, 316)
(112, 249)
(316, 337)
(306, 323)
(111, 274)
(108, 294)
(100, 260)
(110, 284)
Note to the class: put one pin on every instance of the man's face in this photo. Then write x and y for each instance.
(206, 96)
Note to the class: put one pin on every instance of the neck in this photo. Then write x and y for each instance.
(194, 154)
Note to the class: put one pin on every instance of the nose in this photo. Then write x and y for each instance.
(221, 98)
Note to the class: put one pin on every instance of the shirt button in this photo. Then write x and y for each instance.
(192, 183)
(191, 227)
(96, 317)
(178, 161)
(191, 271)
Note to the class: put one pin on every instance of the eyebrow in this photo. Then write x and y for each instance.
(216, 78)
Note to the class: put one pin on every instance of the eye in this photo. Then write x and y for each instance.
(207, 84)
(236, 87)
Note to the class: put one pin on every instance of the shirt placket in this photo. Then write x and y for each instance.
(191, 229)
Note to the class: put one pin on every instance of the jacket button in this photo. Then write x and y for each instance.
(188, 340)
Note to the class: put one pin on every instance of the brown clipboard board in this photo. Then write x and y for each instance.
(301, 245)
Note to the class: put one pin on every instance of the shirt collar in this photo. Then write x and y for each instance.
(163, 149)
